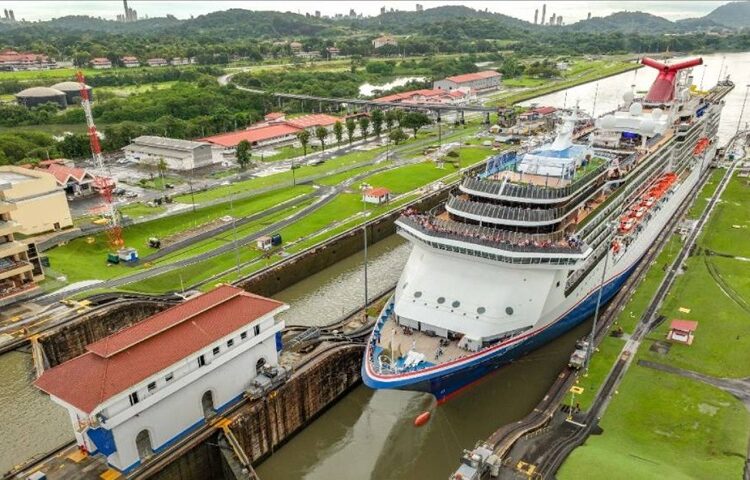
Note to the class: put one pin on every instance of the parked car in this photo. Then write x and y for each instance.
(131, 194)
(315, 161)
(168, 185)
(119, 191)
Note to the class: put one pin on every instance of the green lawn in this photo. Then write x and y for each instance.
(729, 230)
(126, 90)
(407, 178)
(701, 200)
(283, 177)
(660, 425)
(80, 260)
(135, 210)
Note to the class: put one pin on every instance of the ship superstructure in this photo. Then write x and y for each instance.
(517, 254)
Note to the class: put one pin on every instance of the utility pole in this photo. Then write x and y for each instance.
(590, 349)
(742, 110)
(234, 233)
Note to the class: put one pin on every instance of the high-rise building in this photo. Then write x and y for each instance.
(317, 13)
(12, 15)
(420, 8)
(130, 15)
(552, 19)
(588, 17)
(382, 10)
(559, 19)
(536, 16)
(352, 13)
(544, 12)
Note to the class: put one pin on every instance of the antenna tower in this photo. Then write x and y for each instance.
(104, 185)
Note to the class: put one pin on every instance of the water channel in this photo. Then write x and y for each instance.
(370, 434)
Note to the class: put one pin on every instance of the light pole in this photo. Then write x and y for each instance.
(590, 349)
(234, 233)
(705, 67)
(742, 110)
(721, 68)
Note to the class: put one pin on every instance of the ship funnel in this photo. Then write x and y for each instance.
(663, 88)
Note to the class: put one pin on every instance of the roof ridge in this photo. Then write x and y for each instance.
(236, 292)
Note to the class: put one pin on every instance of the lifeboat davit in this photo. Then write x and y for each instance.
(422, 419)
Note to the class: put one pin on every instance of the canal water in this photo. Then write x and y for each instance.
(369, 434)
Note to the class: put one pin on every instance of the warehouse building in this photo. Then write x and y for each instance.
(39, 204)
(479, 81)
(177, 154)
(259, 136)
(35, 96)
(72, 91)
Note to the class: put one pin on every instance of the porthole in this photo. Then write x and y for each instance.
(481, 310)
(509, 310)
(456, 304)
(441, 300)
(417, 294)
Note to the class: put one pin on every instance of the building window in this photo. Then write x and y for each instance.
(133, 397)
(230, 342)
(202, 361)
(169, 377)
(152, 386)
(256, 330)
(243, 335)
(216, 350)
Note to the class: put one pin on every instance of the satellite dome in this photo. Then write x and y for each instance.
(636, 109)
(628, 96)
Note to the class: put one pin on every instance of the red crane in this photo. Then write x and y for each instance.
(104, 185)
(662, 90)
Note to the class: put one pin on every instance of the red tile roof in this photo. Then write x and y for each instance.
(471, 77)
(683, 325)
(100, 60)
(545, 110)
(63, 173)
(397, 97)
(313, 120)
(126, 358)
(255, 134)
(274, 115)
(377, 192)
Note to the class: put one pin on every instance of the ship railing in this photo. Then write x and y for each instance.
(504, 212)
(557, 242)
(533, 192)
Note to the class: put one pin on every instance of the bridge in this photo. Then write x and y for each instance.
(436, 108)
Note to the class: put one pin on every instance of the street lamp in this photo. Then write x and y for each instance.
(364, 228)
(703, 75)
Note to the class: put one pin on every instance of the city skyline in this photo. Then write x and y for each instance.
(572, 11)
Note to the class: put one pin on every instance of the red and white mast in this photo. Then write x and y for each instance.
(104, 185)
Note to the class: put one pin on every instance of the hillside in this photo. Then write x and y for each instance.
(731, 15)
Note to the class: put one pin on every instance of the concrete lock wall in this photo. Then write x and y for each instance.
(204, 462)
(268, 423)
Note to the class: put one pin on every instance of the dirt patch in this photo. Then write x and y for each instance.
(660, 347)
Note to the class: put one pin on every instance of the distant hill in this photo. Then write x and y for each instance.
(732, 15)
(626, 22)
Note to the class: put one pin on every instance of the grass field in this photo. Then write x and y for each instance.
(661, 425)
(135, 210)
(80, 260)
(126, 90)
(52, 128)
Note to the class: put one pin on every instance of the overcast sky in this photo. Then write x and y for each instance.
(571, 11)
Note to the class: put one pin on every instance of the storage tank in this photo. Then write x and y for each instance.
(72, 91)
(31, 97)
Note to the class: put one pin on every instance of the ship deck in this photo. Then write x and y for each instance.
(404, 340)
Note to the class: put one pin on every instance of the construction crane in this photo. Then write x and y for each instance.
(103, 184)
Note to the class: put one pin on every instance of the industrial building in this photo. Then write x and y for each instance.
(100, 63)
(429, 96)
(277, 130)
(196, 358)
(18, 276)
(12, 60)
(39, 203)
(479, 81)
(72, 91)
(35, 96)
(177, 154)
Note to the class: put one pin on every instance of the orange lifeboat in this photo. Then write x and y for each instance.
(422, 419)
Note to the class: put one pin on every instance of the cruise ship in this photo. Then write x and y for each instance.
(524, 251)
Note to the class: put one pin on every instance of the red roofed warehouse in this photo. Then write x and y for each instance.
(196, 358)
(480, 81)
(75, 181)
(428, 96)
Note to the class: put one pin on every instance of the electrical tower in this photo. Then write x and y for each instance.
(104, 185)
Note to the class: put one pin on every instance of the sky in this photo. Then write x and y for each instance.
(571, 11)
